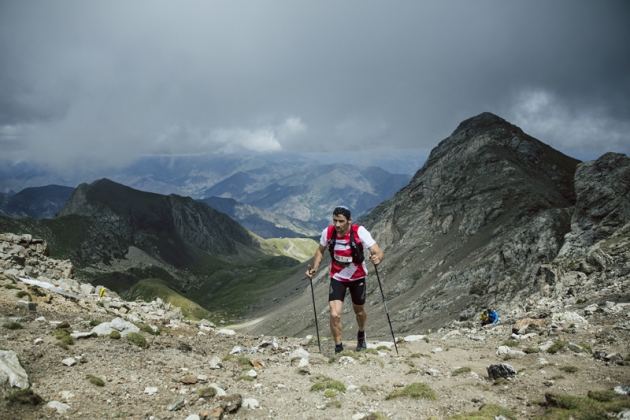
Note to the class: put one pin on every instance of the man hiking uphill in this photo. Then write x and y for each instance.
(345, 243)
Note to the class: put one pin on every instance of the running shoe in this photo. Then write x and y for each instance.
(338, 348)
(361, 345)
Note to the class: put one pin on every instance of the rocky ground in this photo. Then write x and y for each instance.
(273, 377)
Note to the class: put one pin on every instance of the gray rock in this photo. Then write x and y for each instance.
(31, 306)
(118, 324)
(622, 390)
(60, 407)
(502, 370)
(70, 361)
(12, 370)
(177, 405)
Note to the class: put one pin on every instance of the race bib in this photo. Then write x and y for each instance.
(343, 260)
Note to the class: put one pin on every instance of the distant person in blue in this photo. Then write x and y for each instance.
(489, 316)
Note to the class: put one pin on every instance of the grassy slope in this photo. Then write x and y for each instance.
(149, 289)
(301, 249)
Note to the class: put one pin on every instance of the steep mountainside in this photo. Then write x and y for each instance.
(263, 223)
(493, 217)
(36, 202)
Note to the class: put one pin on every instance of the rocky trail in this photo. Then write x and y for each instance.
(196, 370)
(74, 356)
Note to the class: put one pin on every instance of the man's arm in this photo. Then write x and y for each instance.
(317, 260)
(376, 255)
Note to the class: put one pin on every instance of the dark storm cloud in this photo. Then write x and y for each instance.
(104, 82)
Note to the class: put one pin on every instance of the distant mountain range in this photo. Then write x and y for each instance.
(304, 190)
(38, 202)
(263, 223)
(117, 236)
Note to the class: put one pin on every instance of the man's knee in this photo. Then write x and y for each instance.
(359, 309)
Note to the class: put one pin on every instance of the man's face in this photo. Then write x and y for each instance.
(342, 225)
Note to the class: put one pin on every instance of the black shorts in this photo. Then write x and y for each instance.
(337, 290)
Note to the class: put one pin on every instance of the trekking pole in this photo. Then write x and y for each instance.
(315, 313)
(386, 311)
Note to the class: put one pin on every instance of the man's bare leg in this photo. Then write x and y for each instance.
(361, 315)
(336, 306)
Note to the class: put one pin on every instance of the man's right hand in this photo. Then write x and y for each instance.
(310, 273)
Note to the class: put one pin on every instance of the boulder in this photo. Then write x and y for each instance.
(502, 370)
(12, 370)
(118, 324)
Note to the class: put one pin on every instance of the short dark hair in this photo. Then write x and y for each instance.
(342, 210)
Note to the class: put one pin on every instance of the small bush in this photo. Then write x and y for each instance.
(95, 380)
(366, 388)
(137, 339)
(22, 294)
(147, 329)
(460, 371)
(415, 390)
(581, 300)
(66, 339)
(60, 333)
(94, 323)
(569, 369)
(569, 406)
(530, 350)
(208, 392)
(511, 343)
(487, 411)
(556, 347)
(330, 393)
(114, 335)
(37, 291)
(328, 383)
(25, 396)
(13, 325)
(607, 395)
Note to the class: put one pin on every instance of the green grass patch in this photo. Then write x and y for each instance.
(147, 329)
(94, 323)
(137, 339)
(245, 378)
(95, 380)
(241, 360)
(114, 335)
(25, 396)
(370, 351)
(366, 388)
(511, 343)
(486, 412)
(10, 286)
(461, 371)
(416, 390)
(22, 294)
(13, 325)
(556, 347)
(569, 369)
(330, 393)
(328, 383)
(531, 350)
(591, 407)
(37, 291)
(412, 371)
(501, 381)
(208, 392)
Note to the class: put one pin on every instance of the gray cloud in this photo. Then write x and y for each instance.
(104, 82)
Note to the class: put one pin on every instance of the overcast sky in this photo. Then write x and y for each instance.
(103, 82)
